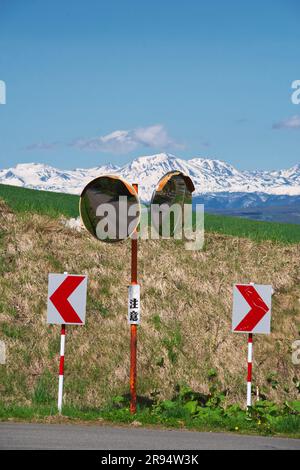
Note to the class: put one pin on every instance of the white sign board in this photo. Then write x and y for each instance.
(252, 308)
(66, 299)
(134, 304)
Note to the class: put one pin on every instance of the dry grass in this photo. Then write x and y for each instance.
(186, 315)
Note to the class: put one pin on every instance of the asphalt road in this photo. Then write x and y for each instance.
(61, 436)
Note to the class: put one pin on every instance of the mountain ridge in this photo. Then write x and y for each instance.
(210, 176)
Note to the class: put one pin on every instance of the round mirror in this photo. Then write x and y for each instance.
(174, 190)
(109, 208)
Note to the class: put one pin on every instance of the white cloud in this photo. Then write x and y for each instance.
(120, 141)
(153, 136)
(125, 141)
(115, 142)
(290, 123)
(42, 146)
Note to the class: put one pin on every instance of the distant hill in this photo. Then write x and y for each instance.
(281, 213)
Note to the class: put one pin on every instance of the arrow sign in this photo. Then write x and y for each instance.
(251, 308)
(66, 299)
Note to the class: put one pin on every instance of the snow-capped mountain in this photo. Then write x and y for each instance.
(45, 177)
(211, 177)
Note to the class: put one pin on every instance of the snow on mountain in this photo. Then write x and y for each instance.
(209, 176)
(39, 176)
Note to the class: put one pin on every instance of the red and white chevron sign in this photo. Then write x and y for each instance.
(66, 299)
(252, 308)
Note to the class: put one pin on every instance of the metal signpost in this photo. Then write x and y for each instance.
(133, 316)
(255, 320)
(103, 191)
(105, 215)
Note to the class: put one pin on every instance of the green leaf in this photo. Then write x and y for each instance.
(191, 406)
(294, 405)
(168, 404)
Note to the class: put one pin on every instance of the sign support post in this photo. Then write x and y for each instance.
(61, 368)
(249, 374)
(249, 377)
(133, 328)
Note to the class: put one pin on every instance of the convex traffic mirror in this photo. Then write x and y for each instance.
(174, 191)
(109, 208)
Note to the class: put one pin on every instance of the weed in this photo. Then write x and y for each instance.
(44, 390)
(182, 411)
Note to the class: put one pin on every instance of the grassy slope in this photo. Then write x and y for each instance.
(185, 334)
(56, 204)
(186, 315)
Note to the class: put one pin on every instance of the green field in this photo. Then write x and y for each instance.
(57, 204)
(41, 202)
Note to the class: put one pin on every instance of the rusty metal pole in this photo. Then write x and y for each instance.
(133, 328)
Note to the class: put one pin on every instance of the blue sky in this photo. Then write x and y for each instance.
(91, 82)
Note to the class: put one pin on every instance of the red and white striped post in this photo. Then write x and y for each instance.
(249, 376)
(61, 368)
